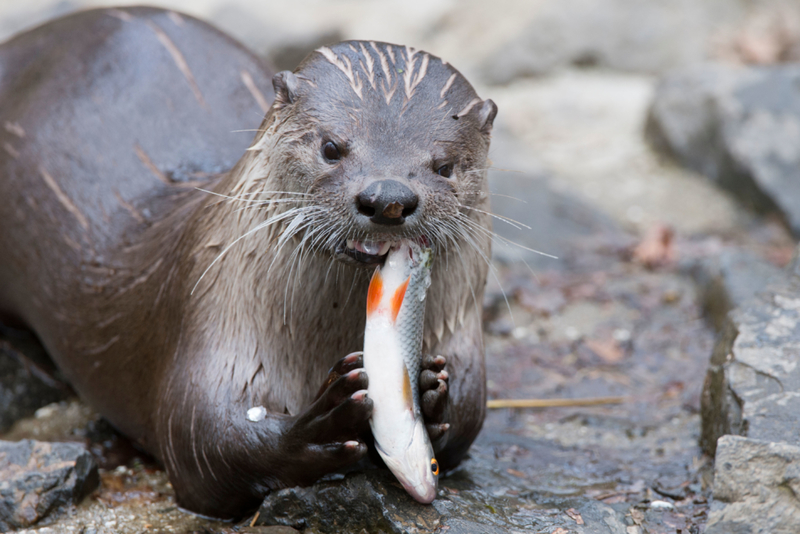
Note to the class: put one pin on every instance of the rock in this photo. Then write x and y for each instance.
(25, 382)
(40, 479)
(753, 379)
(373, 501)
(740, 127)
(756, 487)
(531, 216)
(728, 280)
(288, 55)
(629, 35)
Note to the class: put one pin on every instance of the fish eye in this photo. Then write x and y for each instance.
(434, 466)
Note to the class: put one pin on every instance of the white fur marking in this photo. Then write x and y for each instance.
(11, 150)
(345, 66)
(63, 198)
(179, 59)
(248, 82)
(368, 65)
(471, 105)
(447, 86)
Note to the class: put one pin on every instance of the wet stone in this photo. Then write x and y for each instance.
(729, 280)
(374, 501)
(40, 479)
(752, 382)
(756, 487)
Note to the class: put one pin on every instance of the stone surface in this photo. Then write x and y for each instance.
(534, 222)
(373, 501)
(582, 130)
(740, 127)
(730, 279)
(629, 35)
(753, 380)
(39, 479)
(756, 488)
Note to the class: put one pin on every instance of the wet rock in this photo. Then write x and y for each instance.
(756, 487)
(25, 381)
(374, 501)
(39, 479)
(730, 279)
(740, 127)
(753, 379)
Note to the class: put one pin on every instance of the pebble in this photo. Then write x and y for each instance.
(661, 505)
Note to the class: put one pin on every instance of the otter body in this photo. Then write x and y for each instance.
(181, 272)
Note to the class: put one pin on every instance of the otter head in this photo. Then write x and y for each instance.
(385, 143)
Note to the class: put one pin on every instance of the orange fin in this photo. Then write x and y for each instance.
(397, 299)
(407, 389)
(375, 292)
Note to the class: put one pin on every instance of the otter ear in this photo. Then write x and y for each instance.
(486, 115)
(285, 84)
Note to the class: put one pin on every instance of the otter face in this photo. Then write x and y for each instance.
(392, 145)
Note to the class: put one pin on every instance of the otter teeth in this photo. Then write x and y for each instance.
(372, 248)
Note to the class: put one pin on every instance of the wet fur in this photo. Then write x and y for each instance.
(133, 281)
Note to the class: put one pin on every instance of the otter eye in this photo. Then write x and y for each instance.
(434, 466)
(330, 151)
(445, 170)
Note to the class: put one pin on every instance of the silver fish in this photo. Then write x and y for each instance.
(393, 360)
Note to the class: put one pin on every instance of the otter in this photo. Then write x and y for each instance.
(182, 273)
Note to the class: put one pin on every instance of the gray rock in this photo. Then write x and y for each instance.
(753, 380)
(729, 280)
(373, 501)
(628, 35)
(288, 54)
(40, 479)
(531, 216)
(740, 127)
(756, 488)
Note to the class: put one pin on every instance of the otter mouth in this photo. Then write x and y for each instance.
(370, 252)
(367, 252)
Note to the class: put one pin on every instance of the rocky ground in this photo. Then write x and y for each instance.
(604, 109)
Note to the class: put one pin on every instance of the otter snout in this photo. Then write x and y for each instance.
(387, 202)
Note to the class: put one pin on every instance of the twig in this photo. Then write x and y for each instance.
(553, 403)
(255, 518)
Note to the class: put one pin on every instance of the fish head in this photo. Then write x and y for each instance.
(415, 466)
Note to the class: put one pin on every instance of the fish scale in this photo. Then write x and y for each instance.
(393, 360)
(411, 321)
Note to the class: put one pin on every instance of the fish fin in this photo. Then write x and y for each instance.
(375, 292)
(397, 299)
(407, 389)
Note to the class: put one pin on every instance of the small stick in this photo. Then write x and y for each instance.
(255, 518)
(552, 403)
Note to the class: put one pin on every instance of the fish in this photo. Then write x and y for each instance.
(392, 359)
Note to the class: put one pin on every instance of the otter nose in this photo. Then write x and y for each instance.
(386, 202)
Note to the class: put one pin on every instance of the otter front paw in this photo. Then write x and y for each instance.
(434, 395)
(328, 433)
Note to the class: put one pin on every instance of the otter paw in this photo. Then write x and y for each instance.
(434, 394)
(342, 367)
(343, 409)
